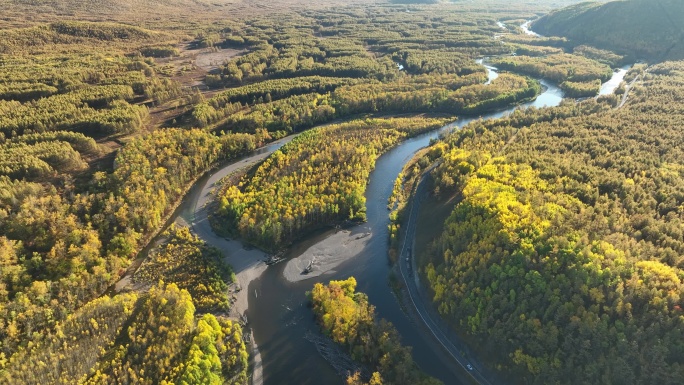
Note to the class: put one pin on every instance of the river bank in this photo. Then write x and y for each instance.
(323, 257)
(526, 29)
(272, 299)
(277, 304)
(280, 314)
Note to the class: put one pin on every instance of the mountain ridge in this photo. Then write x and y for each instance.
(640, 29)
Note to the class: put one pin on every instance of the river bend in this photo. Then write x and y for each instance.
(278, 312)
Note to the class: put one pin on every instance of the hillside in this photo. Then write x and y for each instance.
(643, 29)
(562, 260)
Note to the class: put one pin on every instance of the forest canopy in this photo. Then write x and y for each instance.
(563, 255)
(111, 110)
(318, 179)
(349, 320)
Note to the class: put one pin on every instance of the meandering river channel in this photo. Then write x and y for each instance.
(278, 310)
(278, 313)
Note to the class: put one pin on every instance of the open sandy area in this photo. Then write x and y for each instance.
(327, 254)
(248, 264)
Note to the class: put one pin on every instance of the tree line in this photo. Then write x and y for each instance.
(149, 337)
(577, 75)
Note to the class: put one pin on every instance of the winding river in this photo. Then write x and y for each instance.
(278, 312)
(491, 71)
(611, 85)
(526, 29)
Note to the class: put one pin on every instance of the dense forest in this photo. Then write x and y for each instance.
(151, 337)
(73, 213)
(317, 179)
(562, 257)
(294, 78)
(329, 64)
(109, 112)
(349, 320)
(189, 263)
(642, 29)
(414, 95)
(577, 75)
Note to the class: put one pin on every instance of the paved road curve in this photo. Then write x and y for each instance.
(411, 280)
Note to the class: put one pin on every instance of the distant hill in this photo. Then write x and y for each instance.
(643, 29)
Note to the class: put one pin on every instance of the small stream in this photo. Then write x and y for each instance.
(491, 71)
